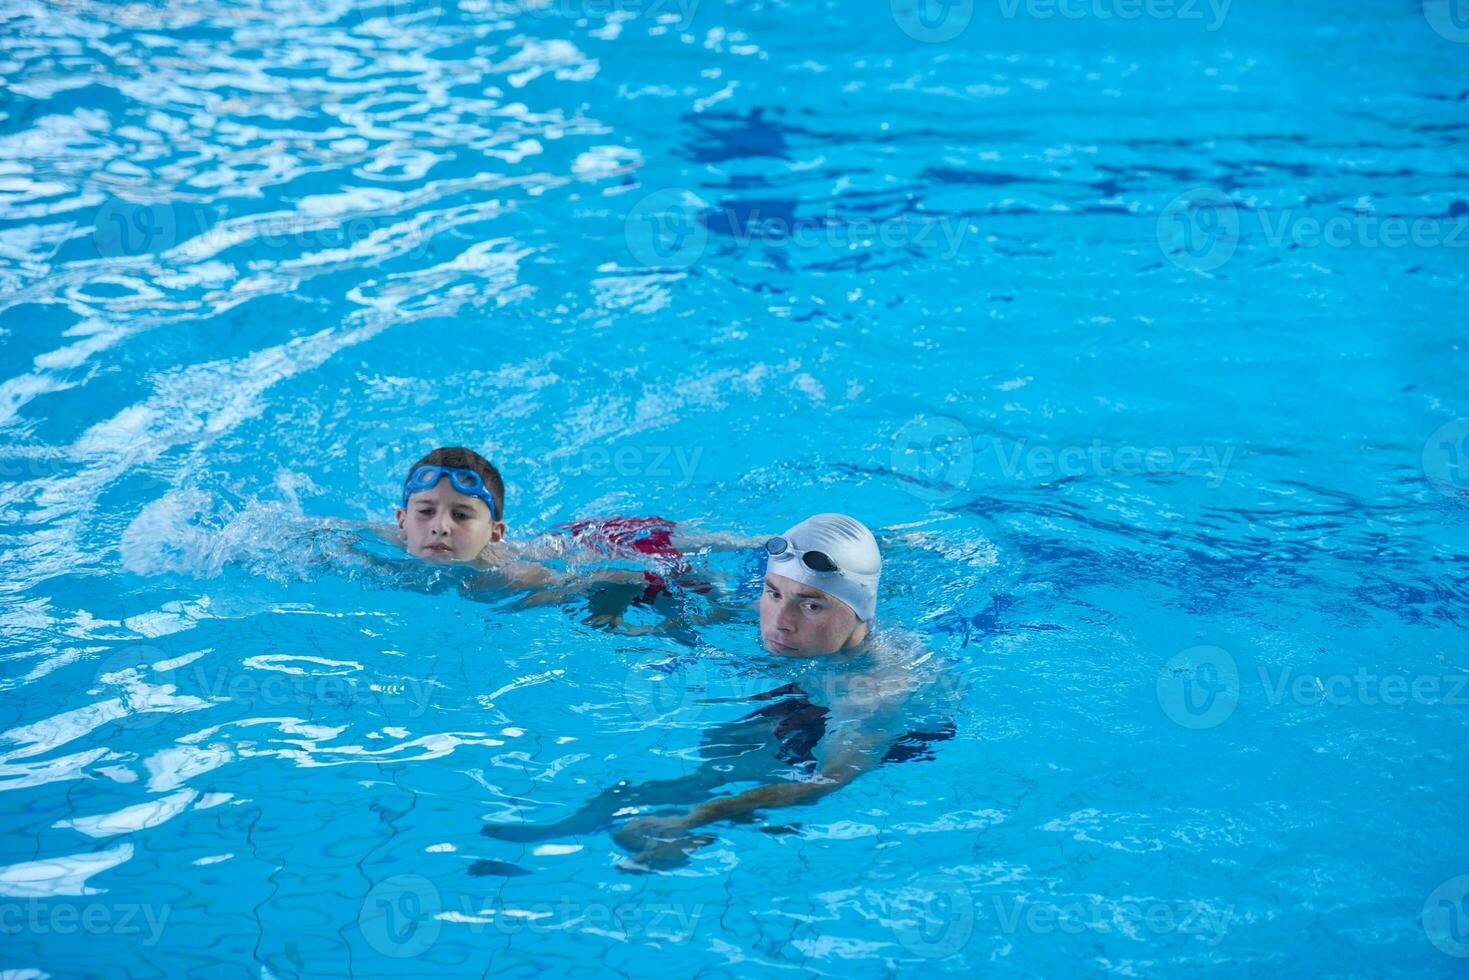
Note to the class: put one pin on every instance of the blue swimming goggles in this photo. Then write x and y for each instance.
(467, 482)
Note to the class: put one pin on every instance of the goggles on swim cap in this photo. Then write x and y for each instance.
(467, 482)
(837, 555)
(817, 561)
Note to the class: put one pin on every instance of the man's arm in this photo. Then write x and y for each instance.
(845, 761)
(663, 842)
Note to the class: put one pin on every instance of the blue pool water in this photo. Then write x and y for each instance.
(1139, 339)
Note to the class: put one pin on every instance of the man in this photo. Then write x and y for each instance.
(837, 721)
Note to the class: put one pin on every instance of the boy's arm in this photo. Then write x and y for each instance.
(387, 532)
(523, 576)
(687, 540)
(548, 586)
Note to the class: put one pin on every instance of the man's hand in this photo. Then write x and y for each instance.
(659, 843)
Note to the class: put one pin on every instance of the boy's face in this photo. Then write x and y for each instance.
(442, 524)
(797, 620)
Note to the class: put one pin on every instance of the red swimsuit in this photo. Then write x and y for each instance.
(631, 537)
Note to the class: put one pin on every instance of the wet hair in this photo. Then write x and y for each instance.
(458, 457)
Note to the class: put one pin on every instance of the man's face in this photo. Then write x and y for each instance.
(797, 620)
(442, 524)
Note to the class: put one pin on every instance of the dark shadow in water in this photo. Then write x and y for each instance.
(763, 746)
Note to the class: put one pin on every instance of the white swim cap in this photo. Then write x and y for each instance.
(852, 551)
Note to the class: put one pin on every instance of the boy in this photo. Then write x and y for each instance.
(818, 604)
(453, 519)
(453, 510)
